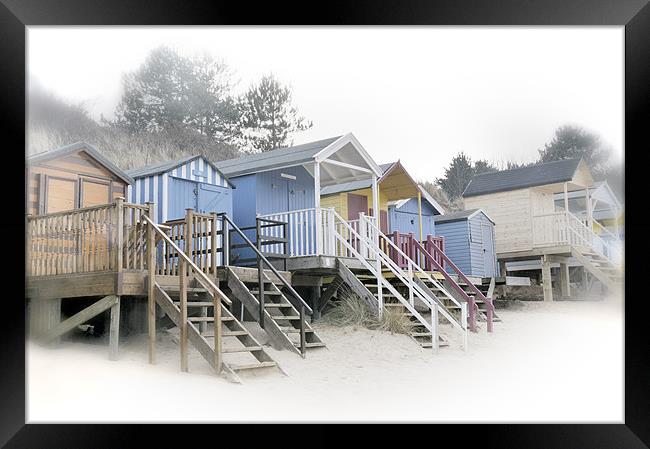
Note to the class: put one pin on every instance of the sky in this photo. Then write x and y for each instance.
(418, 94)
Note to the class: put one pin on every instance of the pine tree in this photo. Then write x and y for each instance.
(268, 116)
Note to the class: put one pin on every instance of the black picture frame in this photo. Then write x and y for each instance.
(15, 15)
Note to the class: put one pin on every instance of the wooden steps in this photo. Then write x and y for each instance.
(282, 321)
(243, 344)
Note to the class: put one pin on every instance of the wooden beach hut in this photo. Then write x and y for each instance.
(404, 215)
(352, 198)
(285, 184)
(469, 241)
(531, 224)
(192, 182)
(70, 177)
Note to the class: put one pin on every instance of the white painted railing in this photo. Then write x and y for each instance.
(303, 232)
(311, 233)
(564, 228)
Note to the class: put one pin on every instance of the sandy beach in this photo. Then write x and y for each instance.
(557, 362)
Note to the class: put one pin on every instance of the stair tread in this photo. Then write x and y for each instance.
(244, 349)
(430, 345)
(294, 330)
(195, 303)
(285, 317)
(252, 366)
(231, 333)
(272, 304)
(312, 344)
(266, 292)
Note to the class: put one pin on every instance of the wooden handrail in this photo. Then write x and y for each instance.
(204, 278)
(293, 292)
(461, 275)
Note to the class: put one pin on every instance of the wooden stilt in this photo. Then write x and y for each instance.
(151, 309)
(183, 321)
(564, 280)
(114, 335)
(546, 279)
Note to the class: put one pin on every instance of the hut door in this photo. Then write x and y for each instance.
(356, 205)
(183, 194)
(214, 199)
(488, 250)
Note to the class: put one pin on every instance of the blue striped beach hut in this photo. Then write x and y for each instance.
(192, 182)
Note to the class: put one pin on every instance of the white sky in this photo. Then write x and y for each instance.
(420, 94)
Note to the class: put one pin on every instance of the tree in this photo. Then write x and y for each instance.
(571, 142)
(459, 173)
(170, 92)
(268, 116)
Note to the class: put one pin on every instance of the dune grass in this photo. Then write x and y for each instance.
(350, 310)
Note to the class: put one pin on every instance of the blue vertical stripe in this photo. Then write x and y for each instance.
(141, 201)
(159, 200)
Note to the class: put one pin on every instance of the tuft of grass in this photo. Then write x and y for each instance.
(351, 310)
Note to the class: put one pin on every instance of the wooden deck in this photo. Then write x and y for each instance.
(124, 283)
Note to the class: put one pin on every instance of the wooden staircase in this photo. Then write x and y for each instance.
(282, 321)
(487, 291)
(418, 332)
(600, 267)
(241, 351)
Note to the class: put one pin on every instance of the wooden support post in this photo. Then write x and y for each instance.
(319, 221)
(435, 340)
(315, 302)
(151, 306)
(216, 303)
(471, 310)
(566, 197)
(214, 242)
(119, 235)
(303, 336)
(589, 213)
(546, 278)
(420, 214)
(44, 314)
(260, 274)
(189, 233)
(182, 281)
(114, 332)
(502, 268)
(564, 280)
(225, 242)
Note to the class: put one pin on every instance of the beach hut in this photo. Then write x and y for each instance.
(174, 186)
(350, 199)
(404, 215)
(469, 241)
(285, 185)
(71, 177)
(535, 220)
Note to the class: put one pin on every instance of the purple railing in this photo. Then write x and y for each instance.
(406, 243)
(422, 252)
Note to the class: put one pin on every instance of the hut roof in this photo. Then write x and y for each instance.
(89, 149)
(519, 178)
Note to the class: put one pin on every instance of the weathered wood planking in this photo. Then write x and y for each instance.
(70, 180)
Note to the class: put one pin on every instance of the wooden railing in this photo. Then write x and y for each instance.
(108, 237)
(203, 231)
(311, 232)
(422, 252)
(564, 228)
(187, 267)
(406, 243)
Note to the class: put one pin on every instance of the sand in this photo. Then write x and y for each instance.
(557, 362)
